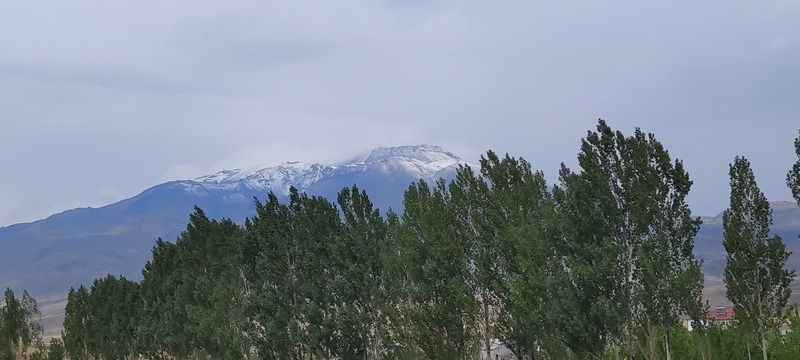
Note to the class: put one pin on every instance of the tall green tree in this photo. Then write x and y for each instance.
(628, 237)
(358, 279)
(76, 324)
(793, 178)
(209, 285)
(399, 338)
(161, 332)
(113, 305)
(669, 278)
(289, 264)
(503, 213)
(439, 302)
(756, 277)
(19, 324)
(469, 203)
(101, 321)
(590, 305)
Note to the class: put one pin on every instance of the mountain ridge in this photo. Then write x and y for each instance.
(72, 247)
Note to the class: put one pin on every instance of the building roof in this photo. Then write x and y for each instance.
(722, 314)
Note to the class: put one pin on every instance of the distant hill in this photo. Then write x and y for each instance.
(72, 248)
(708, 244)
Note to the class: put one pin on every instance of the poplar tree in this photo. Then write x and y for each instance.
(19, 327)
(589, 305)
(271, 278)
(756, 277)
(289, 277)
(502, 214)
(111, 317)
(793, 178)
(523, 215)
(470, 203)
(628, 240)
(439, 302)
(208, 285)
(76, 326)
(669, 278)
(161, 331)
(358, 278)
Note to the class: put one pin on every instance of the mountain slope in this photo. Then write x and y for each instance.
(708, 244)
(68, 249)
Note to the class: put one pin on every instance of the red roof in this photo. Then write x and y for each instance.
(722, 314)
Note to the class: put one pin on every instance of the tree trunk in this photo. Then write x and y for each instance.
(652, 348)
(668, 343)
(763, 346)
(487, 340)
(651, 341)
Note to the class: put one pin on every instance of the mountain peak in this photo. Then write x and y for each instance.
(429, 156)
(419, 161)
(426, 153)
(239, 174)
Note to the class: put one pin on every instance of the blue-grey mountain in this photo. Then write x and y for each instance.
(73, 247)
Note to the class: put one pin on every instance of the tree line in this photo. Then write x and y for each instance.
(21, 333)
(597, 266)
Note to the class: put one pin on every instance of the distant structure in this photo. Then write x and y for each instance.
(722, 316)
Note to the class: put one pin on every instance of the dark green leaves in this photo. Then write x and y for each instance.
(793, 178)
(755, 275)
(19, 327)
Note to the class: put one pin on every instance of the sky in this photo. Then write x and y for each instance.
(102, 99)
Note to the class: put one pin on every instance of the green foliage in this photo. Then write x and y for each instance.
(101, 321)
(290, 263)
(628, 240)
(208, 285)
(55, 350)
(793, 177)
(161, 331)
(76, 324)
(19, 324)
(192, 296)
(438, 301)
(600, 266)
(786, 347)
(507, 212)
(358, 279)
(755, 276)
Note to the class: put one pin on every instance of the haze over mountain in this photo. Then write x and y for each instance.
(67, 249)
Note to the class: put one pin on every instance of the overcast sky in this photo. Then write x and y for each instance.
(101, 99)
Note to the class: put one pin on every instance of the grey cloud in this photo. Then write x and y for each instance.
(98, 101)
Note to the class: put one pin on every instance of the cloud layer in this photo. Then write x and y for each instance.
(101, 100)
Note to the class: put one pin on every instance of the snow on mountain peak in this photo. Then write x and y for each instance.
(421, 161)
(424, 153)
(272, 178)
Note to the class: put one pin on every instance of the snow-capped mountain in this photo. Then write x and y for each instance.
(385, 172)
(73, 247)
(274, 178)
(421, 162)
